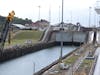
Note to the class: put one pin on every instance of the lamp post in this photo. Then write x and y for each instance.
(33, 68)
(59, 14)
(61, 34)
(71, 16)
(90, 16)
(49, 15)
(39, 12)
(62, 13)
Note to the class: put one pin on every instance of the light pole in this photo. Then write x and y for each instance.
(61, 34)
(33, 68)
(90, 16)
(71, 16)
(39, 12)
(95, 19)
(62, 13)
(59, 14)
(49, 15)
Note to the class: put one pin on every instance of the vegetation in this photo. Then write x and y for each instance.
(85, 67)
(22, 21)
(87, 63)
(16, 20)
(71, 59)
(28, 34)
(22, 36)
(2, 20)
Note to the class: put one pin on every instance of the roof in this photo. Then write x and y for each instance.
(19, 26)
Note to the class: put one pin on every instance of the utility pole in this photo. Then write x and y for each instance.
(34, 68)
(97, 9)
(71, 16)
(62, 12)
(39, 12)
(49, 15)
(90, 16)
(59, 14)
(61, 34)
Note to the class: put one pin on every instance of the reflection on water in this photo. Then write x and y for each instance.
(24, 65)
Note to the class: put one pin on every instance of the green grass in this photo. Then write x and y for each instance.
(28, 34)
(22, 36)
(87, 63)
(71, 60)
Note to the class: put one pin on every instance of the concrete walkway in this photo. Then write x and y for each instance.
(97, 68)
(77, 64)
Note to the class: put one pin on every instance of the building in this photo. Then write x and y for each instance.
(20, 26)
(41, 24)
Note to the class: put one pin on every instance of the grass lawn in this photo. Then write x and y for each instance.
(24, 35)
(85, 67)
(71, 60)
(87, 63)
(28, 34)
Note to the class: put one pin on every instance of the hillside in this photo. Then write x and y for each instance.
(16, 20)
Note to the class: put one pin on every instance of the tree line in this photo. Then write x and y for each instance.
(16, 20)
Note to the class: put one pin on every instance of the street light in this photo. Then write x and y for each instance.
(89, 16)
(61, 33)
(62, 13)
(33, 68)
(39, 12)
(71, 16)
(49, 15)
(59, 14)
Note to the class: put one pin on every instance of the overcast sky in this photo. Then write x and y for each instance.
(74, 10)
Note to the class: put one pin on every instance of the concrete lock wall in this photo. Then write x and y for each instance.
(77, 36)
(64, 36)
(98, 37)
(12, 53)
(90, 36)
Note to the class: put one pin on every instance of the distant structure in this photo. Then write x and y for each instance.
(73, 27)
(97, 7)
(69, 26)
(40, 24)
(20, 27)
